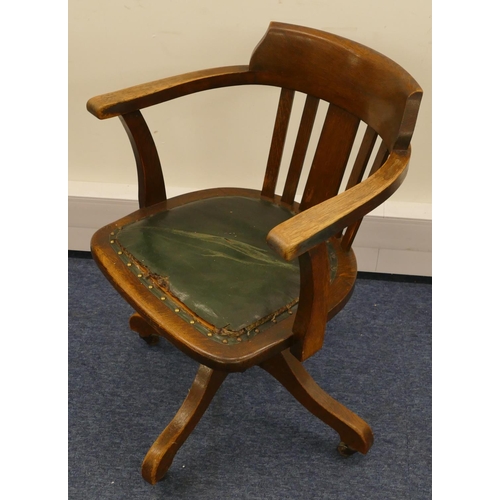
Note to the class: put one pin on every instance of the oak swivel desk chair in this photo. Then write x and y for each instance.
(237, 277)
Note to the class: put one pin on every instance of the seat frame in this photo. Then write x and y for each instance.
(368, 87)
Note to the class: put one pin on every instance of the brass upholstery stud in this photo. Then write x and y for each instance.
(150, 286)
(129, 264)
(176, 310)
(112, 241)
(162, 298)
(192, 321)
(120, 252)
(209, 334)
(224, 341)
(239, 339)
(257, 330)
(139, 275)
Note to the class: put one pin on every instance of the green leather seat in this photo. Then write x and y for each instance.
(210, 261)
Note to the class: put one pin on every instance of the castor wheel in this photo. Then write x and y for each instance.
(345, 450)
(151, 339)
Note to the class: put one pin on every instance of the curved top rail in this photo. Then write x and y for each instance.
(346, 73)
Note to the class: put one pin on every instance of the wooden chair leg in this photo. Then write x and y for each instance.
(160, 456)
(145, 331)
(355, 433)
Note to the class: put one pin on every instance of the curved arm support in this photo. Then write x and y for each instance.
(148, 94)
(149, 173)
(317, 224)
(310, 321)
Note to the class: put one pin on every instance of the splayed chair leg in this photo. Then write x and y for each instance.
(161, 454)
(355, 433)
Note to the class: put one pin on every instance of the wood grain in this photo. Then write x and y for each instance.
(310, 321)
(343, 72)
(151, 93)
(331, 157)
(278, 143)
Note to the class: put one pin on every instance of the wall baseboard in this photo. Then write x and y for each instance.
(394, 239)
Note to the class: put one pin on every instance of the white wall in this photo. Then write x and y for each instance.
(115, 44)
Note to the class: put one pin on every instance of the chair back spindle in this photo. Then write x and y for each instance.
(362, 158)
(278, 142)
(300, 150)
(331, 157)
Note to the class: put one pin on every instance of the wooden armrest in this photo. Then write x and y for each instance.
(148, 94)
(307, 229)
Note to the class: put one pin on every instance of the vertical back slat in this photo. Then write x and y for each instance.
(331, 156)
(382, 155)
(300, 149)
(278, 142)
(362, 158)
(350, 234)
(352, 230)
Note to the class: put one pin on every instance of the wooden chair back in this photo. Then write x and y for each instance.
(359, 84)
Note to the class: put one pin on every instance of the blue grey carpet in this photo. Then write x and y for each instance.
(255, 441)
